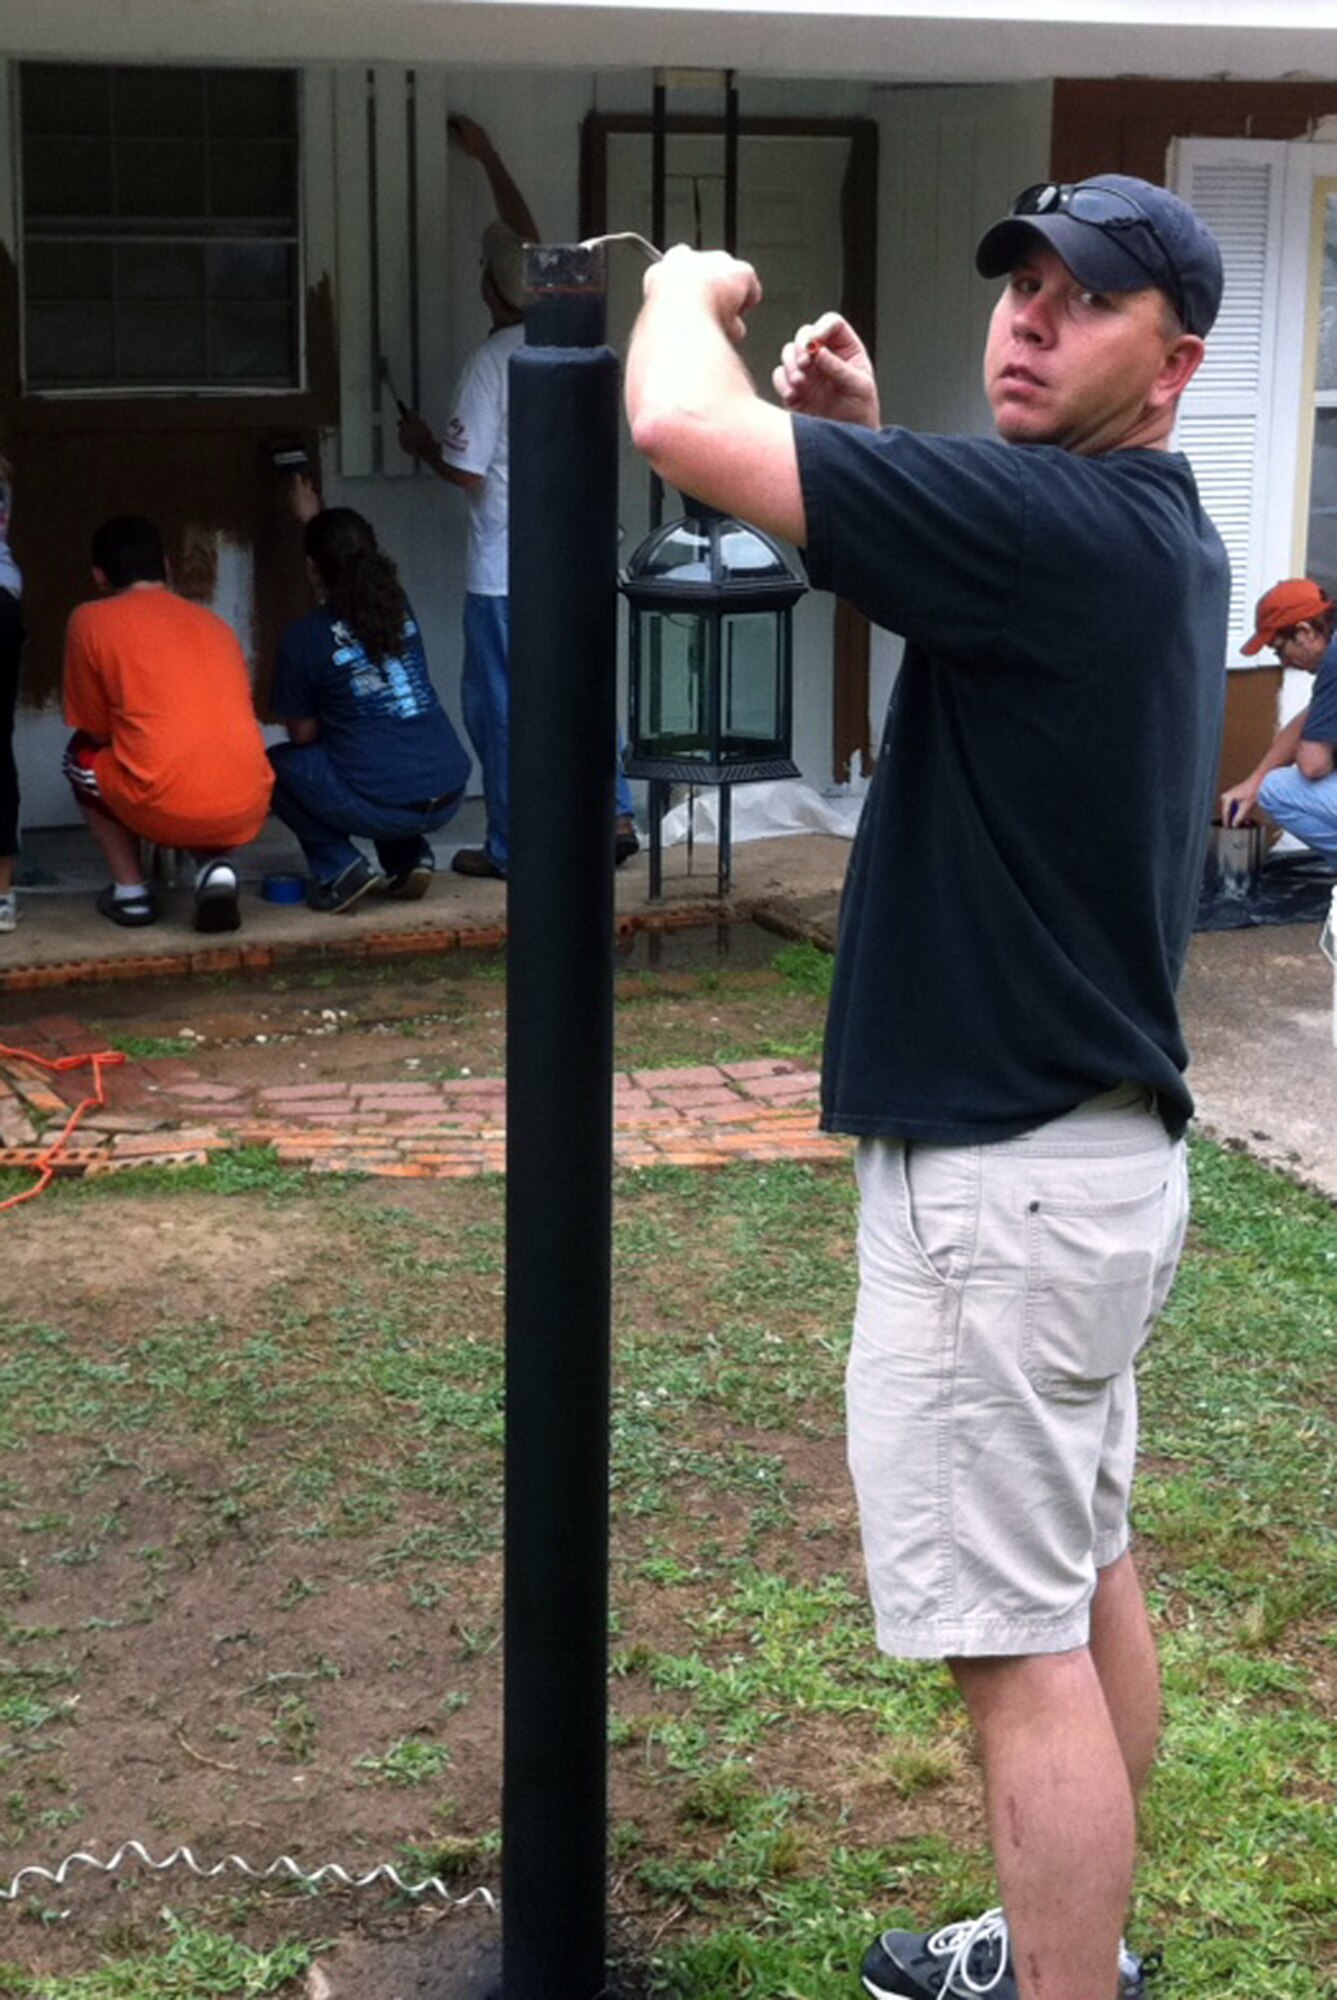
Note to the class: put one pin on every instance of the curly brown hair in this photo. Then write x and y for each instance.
(361, 583)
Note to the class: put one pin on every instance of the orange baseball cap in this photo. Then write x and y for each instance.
(1286, 604)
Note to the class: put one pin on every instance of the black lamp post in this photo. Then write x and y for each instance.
(559, 1129)
(711, 663)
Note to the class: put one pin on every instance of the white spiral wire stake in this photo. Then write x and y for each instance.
(182, 1857)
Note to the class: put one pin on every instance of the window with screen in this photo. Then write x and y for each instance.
(160, 228)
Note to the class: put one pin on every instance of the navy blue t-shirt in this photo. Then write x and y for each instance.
(382, 724)
(1321, 721)
(1023, 884)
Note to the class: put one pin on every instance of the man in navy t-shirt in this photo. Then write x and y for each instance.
(1295, 781)
(1003, 1036)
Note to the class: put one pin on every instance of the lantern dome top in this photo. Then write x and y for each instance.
(711, 556)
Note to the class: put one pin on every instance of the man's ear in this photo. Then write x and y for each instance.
(1183, 358)
(102, 580)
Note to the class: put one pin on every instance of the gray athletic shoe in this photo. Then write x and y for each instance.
(963, 1960)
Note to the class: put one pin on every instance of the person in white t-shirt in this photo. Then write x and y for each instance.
(473, 455)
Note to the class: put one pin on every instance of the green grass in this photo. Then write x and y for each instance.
(197, 1964)
(782, 1789)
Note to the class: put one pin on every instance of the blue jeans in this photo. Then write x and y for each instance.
(1306, 807)
(485, 697)
(312, 796)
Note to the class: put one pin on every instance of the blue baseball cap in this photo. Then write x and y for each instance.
(1116, 234)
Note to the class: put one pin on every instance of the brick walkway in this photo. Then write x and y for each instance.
(163, 1111)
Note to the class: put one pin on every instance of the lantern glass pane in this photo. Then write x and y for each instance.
(674, 669)
(744, 553)
(681, 551)
(751, 698)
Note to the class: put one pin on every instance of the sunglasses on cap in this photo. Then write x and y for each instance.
(1111, 210)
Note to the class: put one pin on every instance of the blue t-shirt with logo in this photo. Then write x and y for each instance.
(1321, 722)
(381, 722)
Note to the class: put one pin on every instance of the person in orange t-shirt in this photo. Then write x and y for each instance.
(166, 746)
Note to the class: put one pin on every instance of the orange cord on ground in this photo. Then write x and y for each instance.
(46, 1161)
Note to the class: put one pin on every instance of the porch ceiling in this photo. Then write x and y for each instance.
(893, 41)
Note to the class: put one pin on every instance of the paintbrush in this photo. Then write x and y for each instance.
(389, 382)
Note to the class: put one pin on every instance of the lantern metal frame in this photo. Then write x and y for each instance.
(711, 600)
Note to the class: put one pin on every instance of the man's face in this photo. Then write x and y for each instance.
(1089, 371)
(1303, 647)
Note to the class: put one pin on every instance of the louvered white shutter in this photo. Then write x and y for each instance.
(1241, 446)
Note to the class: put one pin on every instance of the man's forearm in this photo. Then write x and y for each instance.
(510, 204)
(692, 405)
(1282, 749)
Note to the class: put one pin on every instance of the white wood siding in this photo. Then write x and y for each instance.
(951, 162)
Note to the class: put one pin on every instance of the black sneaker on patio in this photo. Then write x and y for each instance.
(475, 861)
(965, 1959)
(216, 906)
(626, 841)
(410, 885)
(345, 891)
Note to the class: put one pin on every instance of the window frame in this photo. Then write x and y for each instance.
(1272, 426)
(191, 390)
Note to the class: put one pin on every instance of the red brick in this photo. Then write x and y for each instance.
(291, 1092)
(705, 1074)
(762, 1066)
(801, 1084)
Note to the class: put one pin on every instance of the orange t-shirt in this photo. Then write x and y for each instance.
(164, 684)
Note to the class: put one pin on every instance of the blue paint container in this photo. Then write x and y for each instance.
(283, 889)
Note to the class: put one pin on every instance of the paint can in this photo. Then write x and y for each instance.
(1234, 857)
(283, 889)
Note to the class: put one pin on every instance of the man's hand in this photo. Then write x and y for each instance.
(417, 437)
(1238, 803)
(728, 288)
(304, 502)
(824, 371)
(693, 408)
(468, 135)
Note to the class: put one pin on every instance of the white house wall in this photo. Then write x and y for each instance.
(950, 162)
(534, 119)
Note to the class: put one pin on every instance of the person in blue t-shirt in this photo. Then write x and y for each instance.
(1003, 1038)
(1295, 780)
(371, 751)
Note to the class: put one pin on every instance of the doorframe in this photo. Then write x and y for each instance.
(851, 726)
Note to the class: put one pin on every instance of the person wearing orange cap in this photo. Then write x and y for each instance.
(1295, 780)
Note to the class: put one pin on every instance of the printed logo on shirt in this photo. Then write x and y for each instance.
(398, 686)
(457, 435)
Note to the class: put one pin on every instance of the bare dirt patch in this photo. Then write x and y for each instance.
(250, 1487)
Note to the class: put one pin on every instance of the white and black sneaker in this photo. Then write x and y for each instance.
(963, 1960)
(216, 905)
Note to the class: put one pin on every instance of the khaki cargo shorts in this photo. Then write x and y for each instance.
(1004, 1292)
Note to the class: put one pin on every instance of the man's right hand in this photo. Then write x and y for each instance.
(416, 437)
(824, 371)
(1238, 803)
(726, 285)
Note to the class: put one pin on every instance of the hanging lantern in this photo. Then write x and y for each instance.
(711, 654)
